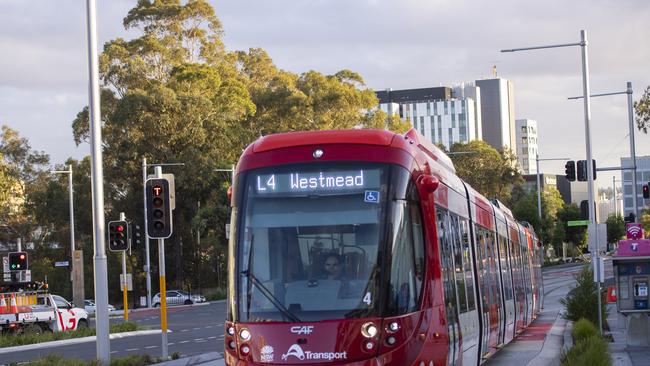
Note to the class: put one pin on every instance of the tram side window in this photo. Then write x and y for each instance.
(505, 268)
(458, 263)
(467, 263)
(407, 267)
(442, 223)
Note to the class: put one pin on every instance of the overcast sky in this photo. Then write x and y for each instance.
(392, 44)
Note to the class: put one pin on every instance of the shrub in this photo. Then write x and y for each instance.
(10, 340)
(582, 300)
(591, 351)
(583, 329)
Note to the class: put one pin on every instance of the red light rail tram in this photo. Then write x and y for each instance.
(363, 247)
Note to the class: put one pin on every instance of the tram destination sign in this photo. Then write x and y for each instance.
(317, 182)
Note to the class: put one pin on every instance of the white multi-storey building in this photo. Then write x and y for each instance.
(526, 142)
(642, 177)
(438, 114)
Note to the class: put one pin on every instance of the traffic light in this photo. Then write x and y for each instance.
(584, 210)
(136, 235)
(581, 171)
(18, 261)
(118, 236)
(646, 191)
(570, 170)
(159, 213)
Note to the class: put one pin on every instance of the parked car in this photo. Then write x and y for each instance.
(178, 297)
(90, 307)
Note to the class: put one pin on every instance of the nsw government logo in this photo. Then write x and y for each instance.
(297, 352)
(266, 354)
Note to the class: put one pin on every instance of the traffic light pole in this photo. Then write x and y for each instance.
(146, 234)
(124, 281)
(163, 286)
(630, 116)
(587, 116)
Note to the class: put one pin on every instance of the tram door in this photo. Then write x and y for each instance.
(451, 305)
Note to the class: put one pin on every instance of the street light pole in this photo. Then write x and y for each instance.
(101, 267)
(630, 114)
(146, 233)
(587, 116)
(77, 289)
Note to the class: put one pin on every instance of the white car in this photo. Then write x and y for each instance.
(89, 306)
(178, 297)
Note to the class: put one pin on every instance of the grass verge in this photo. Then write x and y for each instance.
(20, 340)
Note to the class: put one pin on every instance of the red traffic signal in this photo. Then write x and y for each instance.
(118, 238)
(18, 261)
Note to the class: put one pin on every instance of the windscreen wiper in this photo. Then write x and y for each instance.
(265, 291)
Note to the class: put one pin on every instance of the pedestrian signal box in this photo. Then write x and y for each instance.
(159, 213)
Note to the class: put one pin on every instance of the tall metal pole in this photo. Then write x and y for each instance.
(615, 201)
(146, 233)
(630, 114)
(101, 277)
(590, 173)
(163, 286)
(72, 247)
(539, 192)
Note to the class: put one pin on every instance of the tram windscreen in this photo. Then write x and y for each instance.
(309, 242)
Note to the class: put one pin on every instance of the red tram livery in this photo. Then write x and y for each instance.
(363, 247)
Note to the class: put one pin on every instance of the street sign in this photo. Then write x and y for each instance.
(129, 280)
(61, 264)
(578, 223)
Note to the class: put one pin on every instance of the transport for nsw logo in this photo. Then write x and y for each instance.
(294, 351)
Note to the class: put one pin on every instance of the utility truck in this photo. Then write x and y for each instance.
(35, 312)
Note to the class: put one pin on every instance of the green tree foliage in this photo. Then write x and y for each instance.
(174, 94)
(487, 170)
(577, 235)
(642, 109)
(615, 228)
(582, 299)
(21, 174)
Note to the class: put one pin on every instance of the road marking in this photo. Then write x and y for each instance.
(185, 330)
(196, 328)
(220, 337)
(181, 342)
(150, 347)
(132, 349)
(171, 343)
(113, 351)
(209, 326)
(213, 337)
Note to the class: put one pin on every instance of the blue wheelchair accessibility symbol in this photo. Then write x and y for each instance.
(371, 196)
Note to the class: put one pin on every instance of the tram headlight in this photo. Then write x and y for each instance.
(393, 327)
(232, 344)
(391, 340)
(245, 335)
(231, 331)
(369, 330)
(245, 349)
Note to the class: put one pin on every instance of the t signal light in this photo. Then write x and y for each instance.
(159, 213)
